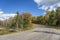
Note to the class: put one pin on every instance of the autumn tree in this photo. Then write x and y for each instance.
(26, 19)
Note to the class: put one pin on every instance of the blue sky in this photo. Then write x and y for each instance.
(11, 6)
(8, 8)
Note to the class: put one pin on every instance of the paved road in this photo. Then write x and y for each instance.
(39, 33)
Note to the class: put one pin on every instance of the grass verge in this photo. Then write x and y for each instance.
(5, 32)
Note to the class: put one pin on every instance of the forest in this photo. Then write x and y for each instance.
(25, 21)
(50, 18)
(20, 22)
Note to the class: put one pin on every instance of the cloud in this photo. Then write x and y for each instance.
(1, 11)
(43, 7)
(6, 16)
(47, 4)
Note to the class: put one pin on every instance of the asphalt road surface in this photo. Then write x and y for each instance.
(39, 33)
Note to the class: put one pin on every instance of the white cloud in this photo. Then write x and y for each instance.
(1, 11)
(48, 4)
(43, 7)
(37, 1)
(6, 16)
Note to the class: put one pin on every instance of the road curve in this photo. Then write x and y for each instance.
(39, 33)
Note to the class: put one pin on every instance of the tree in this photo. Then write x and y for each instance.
(15, 21)
(51, 17)
(34, 19)
(26, 19)
(58, 16)
(17, 18)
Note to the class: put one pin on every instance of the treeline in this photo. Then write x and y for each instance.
(24, 21)
(18, 22)
(50, 18)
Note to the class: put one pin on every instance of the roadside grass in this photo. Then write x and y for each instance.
(53, 26)
(6, 32)
(29, 28)
(57, 27)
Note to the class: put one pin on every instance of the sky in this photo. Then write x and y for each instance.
(8, 8)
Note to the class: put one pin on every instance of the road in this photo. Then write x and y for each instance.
(39, 33)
